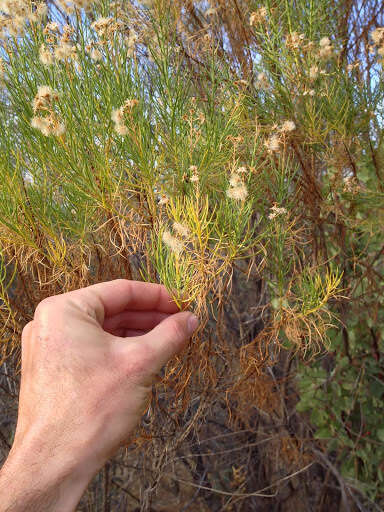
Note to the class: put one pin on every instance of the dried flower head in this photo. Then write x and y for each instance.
(377, 36)
(45, 55)
(121, 129)
(163, 200)
(172, 242)
(239, 192)
(65, 51)
(313, 72)
(50, 125)
(235, 180)
(68, 31)
(129, 105)
(237, 189)
(351, 185)
(132, 40)
(118, 116)
(262, 81)
(273, 143)
(58, 129)
(288, 126)
(45, 96)
(52, 26)
(258, 16)
(201, 117)
(95, 54)
(211, 11)
(235, 139)
(276, 211)
(102, 26)
(326, 49)
(45, 118)
(195, 176)
(324, 41)
(294, 40)
(181, 229)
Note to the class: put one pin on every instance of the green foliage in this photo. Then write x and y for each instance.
(345, 405)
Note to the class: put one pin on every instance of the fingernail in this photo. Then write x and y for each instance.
(193, 323)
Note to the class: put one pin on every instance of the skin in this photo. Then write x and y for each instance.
(89, 358)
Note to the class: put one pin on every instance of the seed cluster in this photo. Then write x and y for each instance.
(258, 16)
(276, 212)
(237, 189)
(378, 39)
(17, 13)
(120, 114)
(45, 117)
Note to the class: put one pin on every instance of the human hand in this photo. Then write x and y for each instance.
(88, 361)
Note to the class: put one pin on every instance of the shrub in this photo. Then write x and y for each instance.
(232, 151)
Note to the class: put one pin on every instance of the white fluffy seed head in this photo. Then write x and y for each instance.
(273, 143)
(45, 56)
(172, 242)
(377, 36)
(121, 129)
(239, 193)
(117, 116)
(96, 54)
(288, 126)
(234, 180)
(181, 229)
(324, 41)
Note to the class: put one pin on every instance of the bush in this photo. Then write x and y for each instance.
(232, 151)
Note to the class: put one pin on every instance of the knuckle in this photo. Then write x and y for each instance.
(26, 332)
(88, 303)
(120, 280)
(77, 301)
(45, 304)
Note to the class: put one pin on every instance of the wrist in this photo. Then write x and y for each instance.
(37, 476)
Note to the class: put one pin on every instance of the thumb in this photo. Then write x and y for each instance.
(169, 337)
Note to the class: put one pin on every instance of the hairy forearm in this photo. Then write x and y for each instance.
(22, 492)
(39, 480)
(24, 499)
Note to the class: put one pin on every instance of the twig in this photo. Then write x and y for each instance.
(246, 495)
(339, 478)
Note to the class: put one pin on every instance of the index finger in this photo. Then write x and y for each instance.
(122, 294)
